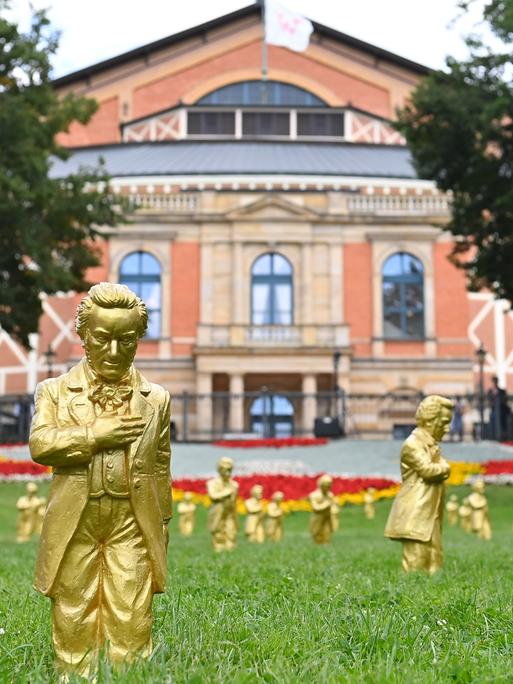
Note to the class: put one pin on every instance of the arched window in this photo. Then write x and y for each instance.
(272, 93)
(403, 297)
(272, 416)
(140, 272)
(271, 290)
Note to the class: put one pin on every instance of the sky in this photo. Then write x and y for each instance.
(425, 31)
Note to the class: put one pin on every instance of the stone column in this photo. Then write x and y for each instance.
(204, 405)
(236, 402)
(309, 387)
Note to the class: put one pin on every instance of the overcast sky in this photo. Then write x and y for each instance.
(422, 30)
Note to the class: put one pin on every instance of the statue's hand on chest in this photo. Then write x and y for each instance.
(111, 431)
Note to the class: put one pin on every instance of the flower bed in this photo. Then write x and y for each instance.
(22, 470)
(271, 442)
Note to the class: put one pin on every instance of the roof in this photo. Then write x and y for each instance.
(242, 157)
(202, 29)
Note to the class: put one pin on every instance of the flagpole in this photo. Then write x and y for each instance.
(264, 56)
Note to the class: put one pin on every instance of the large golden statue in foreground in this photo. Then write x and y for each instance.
(417, 512)
(105, 431)
(222, 516)
(321, 520)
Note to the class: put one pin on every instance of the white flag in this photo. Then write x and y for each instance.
(286, 28)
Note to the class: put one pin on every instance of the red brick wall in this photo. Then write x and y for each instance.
(185, 293)
(358, 295)
(452, 312)
(103, 127)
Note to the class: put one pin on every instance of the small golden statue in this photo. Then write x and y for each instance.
(335, 516)
(452, 510)
(254, 528)
(105, 431)
(274, 526)
(222, 516)
(368, 504)
(480, 519)
(417, 512)
(186, 515)
(321, 520)
(465, 515)
(27, 506)
(40, 515)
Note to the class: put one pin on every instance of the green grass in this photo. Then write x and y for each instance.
(295, 612)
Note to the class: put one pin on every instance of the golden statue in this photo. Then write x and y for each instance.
(40, 515)
(274, 525)
(105, 431)
(254, 528)
(465, 515)
(417, 512)
(186, 515)
(222, 516)
(452, 510)
(480, 519)
(368, 504)
(321, 520)
(27, 506)
(335, 516)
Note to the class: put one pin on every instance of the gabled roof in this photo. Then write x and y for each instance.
(202, 29)
(242, 158)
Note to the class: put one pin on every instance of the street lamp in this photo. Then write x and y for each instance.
(481, 356)
(49, 356)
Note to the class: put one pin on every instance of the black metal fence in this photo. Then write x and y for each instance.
(205, 417)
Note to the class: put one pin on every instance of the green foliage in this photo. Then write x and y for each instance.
(47, 226)
(459, 127)
(294, 612)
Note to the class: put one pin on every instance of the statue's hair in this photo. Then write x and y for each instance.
(225, 462)
(324, 478)
(429, 407)
(110, 296)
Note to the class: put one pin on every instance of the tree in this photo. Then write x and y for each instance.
(459, 127)
(48, 226)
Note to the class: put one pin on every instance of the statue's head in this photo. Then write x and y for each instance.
(110, 321)
(453, 497)
(278, 497)
(187, 497)
(324, 483)
(478, 486)
(225, 467)
(257, 491)
(434, 414)
(31, 488)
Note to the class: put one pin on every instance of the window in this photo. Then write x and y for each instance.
(403, 297)
(262, 93)
(265, 123)
(140, 272)
(271, 291)
(320, 123)
(211, 123)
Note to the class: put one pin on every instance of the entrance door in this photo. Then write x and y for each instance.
(272, 415)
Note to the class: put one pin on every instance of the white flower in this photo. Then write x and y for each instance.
(2, 631)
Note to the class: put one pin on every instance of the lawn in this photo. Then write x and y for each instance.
(295, 612)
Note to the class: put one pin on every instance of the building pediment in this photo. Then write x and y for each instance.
(271, 207)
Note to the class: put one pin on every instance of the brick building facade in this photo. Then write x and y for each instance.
(275, 225)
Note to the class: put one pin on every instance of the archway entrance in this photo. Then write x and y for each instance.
(272, 415)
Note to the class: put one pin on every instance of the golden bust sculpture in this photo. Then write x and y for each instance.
(27, 506)
(105, 431)
(254, 528)
(321, 520)
(417, 512)
(452, 510)
(186, 515)
(222, 516)
(479, 516)
(274, 524)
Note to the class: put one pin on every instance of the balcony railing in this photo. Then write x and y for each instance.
(273, 336)
(398, 205)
